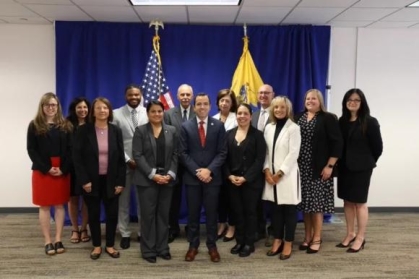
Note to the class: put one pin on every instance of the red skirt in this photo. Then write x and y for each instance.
(50, 190)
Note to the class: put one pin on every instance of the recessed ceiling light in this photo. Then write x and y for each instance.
(185, 2)
(413, 5)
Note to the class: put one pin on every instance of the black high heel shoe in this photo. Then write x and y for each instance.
(271, 253)
(312, 251)
(352, 250)
(223, 233)
(341, 245)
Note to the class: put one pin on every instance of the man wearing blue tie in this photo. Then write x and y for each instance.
(203, 151)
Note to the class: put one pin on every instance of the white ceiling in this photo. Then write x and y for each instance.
(339, 13)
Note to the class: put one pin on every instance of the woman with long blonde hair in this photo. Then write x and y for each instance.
(48, 145)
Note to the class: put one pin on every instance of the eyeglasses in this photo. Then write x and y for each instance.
(264, 92)
(356, 101)
(50, 105)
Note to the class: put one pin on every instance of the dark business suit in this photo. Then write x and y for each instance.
(327, 141)
(174, 117)
(194, 156)
(264, 209)
(154, 198)
(361, 152)
(86, 164)
(246, 161)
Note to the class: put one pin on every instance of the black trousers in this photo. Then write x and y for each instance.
(284, 221)
(155, 205)
(93, 204)
(224, 205)
(196, 196)
(244, 200)
(264, 212)
(176, 202)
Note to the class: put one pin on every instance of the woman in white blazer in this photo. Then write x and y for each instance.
(282, 186)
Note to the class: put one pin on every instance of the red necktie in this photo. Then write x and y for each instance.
(202, 133)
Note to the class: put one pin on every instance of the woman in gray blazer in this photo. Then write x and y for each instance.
(154, 149)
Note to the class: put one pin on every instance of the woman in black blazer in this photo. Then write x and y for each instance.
(78, 114)
(154, 149)
(321, 146)
(99, 162)
(49, 147)
(362, 148)
(243, 168)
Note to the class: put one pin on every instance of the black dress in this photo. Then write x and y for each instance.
(353, 186)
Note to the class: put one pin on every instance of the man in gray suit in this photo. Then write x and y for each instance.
(128, 118)
(175, 117)
(259, 120)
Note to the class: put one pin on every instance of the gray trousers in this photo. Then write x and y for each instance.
(124, 205)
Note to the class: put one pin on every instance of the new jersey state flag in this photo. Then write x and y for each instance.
(246, 78)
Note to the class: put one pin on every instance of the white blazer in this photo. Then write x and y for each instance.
(231, 121)
(287, 149)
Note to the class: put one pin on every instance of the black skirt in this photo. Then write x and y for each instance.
(353, 186)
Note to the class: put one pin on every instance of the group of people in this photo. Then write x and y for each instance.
(243, 167)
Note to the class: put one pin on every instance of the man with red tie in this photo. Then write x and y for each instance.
(203, 151)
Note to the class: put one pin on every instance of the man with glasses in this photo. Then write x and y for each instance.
(259, 120)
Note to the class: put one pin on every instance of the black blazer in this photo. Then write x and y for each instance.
(254, 152)
(38, 147)
(194, 156)
(86, 159)
(327, 141)
(144, 153)
(362, 151)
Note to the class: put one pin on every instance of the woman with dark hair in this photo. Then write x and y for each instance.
(49, 147)
(227, 106)
(243, 169)
(99, 161)
(78, 114)
(321, 146)
(154, 149)
(362, 148)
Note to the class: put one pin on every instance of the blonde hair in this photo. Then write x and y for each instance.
(40, 121)
(280, 100)
(319, 96)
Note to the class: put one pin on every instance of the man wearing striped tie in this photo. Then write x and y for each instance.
(259, 120)
(128, 117)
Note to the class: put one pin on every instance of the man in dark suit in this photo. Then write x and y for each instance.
(175, 117)
(259, 120)
(203, 152)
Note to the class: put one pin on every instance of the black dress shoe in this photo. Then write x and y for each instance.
(236, 249)
(125, 242)
(150, 259)
(352, 250)
(271, 253)
(341, 245)
(166, 256)
(138, 238)
(246, 251)
(227, 239)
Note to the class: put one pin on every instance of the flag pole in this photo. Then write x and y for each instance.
(156, 44)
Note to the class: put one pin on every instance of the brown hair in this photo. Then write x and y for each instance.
(319, 96)
(107, 103)
(227, 92)
(40, 121)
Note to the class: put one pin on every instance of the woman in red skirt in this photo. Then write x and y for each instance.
(48, 144)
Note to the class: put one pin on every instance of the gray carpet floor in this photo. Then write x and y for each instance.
(391, 251)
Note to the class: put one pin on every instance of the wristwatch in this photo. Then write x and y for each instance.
(330, 166)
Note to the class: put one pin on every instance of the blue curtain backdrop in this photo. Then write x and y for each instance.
(100, 59)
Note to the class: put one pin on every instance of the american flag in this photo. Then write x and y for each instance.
(154, 85)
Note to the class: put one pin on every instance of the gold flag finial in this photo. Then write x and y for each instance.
(156, 23)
